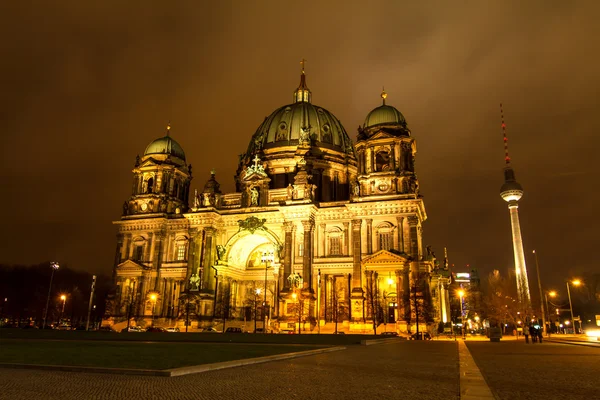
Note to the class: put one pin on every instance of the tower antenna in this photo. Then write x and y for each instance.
(506, 157)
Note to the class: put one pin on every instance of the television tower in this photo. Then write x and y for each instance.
(511, 192)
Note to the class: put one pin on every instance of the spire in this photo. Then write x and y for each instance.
(168, 128)
(509, 173)
(383, 94)
(303, 92)
(506, 157)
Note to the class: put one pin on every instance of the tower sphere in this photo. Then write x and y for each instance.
(511, 191)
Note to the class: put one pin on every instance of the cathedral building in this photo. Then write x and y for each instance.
(320, 231)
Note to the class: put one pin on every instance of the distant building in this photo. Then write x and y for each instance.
(469, 282)
(319, 229)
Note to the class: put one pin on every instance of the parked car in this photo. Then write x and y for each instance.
(64, 327)
(287, 331)
(210, 329)
(339, 333)
(156, 329)
(420, 336)
(133, 329)
(389, 333)
(173, 329)
(233, 329)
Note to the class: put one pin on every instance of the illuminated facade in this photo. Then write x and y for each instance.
(318, 230)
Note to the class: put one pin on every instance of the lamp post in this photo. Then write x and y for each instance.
(537, 268)
(296, 297)
(575, 282)
(267, 257)
(130, 308)
(64, 300)
(153, 297)
(461, 294)
(256, 293)
(551, 293)
(54, 265)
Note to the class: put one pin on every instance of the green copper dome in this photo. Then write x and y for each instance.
(287, 125)
(165, 145)
(301, 121)
(384, 115)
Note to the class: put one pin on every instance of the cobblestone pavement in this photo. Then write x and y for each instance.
(406, 370)
(515, 370)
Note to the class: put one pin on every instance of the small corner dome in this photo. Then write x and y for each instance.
(384, 115)
(165, 145)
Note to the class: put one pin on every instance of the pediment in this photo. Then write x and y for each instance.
(130, 266)
(382, 135)
(384, 257)
(150, 162)
(256, 176)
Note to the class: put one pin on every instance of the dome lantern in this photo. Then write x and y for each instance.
(302, 94)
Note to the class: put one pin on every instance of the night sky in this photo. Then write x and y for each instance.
(87, 85)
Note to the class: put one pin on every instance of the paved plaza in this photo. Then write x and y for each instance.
(403, 370)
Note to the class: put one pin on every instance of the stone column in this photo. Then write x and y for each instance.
(399, 295)
(406, 292)
(329, 298)
(309, 229)
(356, 306)
(321, 241)
(209, 259)
(346, 243)
(157, 256)
(356, 259)
(400, 221)
(369, 236)
(413, 223)
(287, 259)
(193, 253)
(164, 297)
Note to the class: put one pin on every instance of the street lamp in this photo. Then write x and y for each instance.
(461, 294)
(267, 257)
(256, 293)
(153, 298)
(54, 265)
(551, 293)
(64, 300)
(537, 268)
(296, 297)
(575, 282)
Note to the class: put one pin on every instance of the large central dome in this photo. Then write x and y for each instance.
(289, 125)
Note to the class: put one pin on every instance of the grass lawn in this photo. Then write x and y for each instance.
(137, 355)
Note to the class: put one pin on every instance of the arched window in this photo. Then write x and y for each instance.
(384, 236)
(382, 161)
(334, 242)
(151, 185)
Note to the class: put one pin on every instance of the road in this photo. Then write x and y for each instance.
(405, 370)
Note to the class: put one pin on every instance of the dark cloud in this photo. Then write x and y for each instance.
(86, 86)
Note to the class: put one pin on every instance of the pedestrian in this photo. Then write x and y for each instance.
(526, 333)
(533, 333)
(540, 334)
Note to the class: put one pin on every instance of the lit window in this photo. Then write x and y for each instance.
(181, 252)
(335, 246)
(300, 249)
(385, 241)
